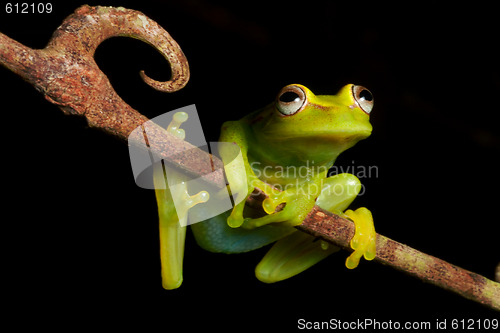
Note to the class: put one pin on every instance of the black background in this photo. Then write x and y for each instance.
(80, 240)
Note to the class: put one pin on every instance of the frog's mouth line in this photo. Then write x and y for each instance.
(339, 136)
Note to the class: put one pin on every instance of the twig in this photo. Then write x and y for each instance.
(329, 227)
(66, 73)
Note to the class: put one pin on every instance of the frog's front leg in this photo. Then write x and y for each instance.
(172, 237)
(241, 178)
(299, 251)
(173, 221)
(298, 204)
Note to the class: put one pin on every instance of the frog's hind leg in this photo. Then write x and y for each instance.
(299, 251)
(291, 256)
(173, 213)
(337, 194)
(172, 238)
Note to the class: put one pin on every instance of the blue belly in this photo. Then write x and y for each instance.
(215, 235)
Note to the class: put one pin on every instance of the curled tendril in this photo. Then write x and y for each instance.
(90, 26)
(66, 73)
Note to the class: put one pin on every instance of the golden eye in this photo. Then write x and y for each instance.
(291, 100)
(363, 98)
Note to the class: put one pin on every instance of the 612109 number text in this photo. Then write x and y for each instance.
(28, 8)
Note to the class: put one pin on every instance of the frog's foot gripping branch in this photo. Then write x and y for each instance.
(236, 219)
(364, 241)
(287, 207)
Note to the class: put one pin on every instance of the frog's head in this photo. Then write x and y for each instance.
(318, 127)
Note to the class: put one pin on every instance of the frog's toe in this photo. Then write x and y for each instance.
(364, 241)
(269, 205)
(235, 219)
(174, 126)
(274, 200)
(353, 260)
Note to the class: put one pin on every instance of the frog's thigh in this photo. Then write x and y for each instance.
(338, 192)
(299, 251)
(292, 255)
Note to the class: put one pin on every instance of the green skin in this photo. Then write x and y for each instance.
(289, 145)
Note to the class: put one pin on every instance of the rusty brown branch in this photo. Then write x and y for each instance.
(334, 229)
(66, 73)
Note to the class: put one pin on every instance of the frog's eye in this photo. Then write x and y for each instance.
(363, 97)
(291, 100)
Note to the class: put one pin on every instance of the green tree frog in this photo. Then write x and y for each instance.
(287, 149)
